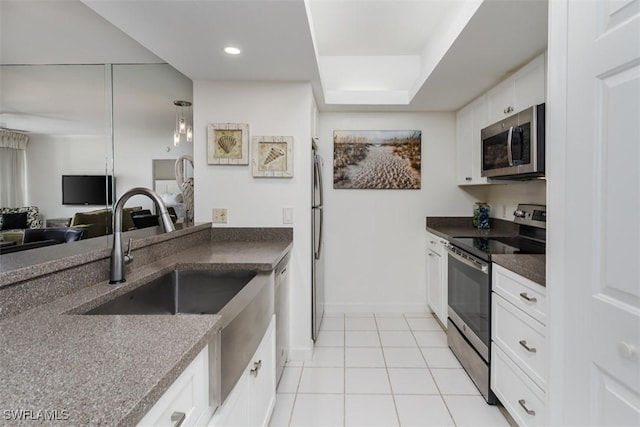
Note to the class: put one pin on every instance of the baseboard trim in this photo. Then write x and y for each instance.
(300, 354)
(337, 308)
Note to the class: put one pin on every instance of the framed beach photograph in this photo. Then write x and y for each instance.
(272, 156)
(228, 144)
(377, 159)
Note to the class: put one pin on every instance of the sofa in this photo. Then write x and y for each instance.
(13, 222)
(98, 223)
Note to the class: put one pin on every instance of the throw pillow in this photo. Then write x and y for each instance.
(14, 221)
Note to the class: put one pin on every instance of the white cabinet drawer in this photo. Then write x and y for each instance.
(187, 397)
(525, 294)
(521, 337)
(436, 244)
(524, 401)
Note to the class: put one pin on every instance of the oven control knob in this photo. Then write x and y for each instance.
(518, 213)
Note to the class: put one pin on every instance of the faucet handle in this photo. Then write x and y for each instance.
(128, 257)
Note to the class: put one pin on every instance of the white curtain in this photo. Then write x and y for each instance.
(13, 169)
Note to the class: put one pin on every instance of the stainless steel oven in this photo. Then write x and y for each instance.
(469, 328)
(469, 284)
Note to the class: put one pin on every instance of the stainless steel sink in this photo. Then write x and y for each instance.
(181, 291)
(244, 300)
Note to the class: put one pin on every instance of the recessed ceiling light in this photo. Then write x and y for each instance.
(232, 50)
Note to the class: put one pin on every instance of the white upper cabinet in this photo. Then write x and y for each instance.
(469, 122)
(524, 88)
(501, 101)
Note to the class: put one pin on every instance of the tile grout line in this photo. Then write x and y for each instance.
(434, 379)
(386, 368)
(295, 396)
(344, 370)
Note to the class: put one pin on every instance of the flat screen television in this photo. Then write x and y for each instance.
(87, 189)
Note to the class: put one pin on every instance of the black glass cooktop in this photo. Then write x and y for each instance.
(484, 247)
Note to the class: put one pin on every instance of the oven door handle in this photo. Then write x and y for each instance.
(470, 261)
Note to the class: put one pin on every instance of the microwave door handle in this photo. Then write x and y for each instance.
(509, 146)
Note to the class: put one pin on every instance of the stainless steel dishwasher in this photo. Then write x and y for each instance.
(282, 315)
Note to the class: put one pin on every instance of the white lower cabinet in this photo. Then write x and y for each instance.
(437, 263)
(187, 399)
(519, 352)
(524, 401)
(251, 401)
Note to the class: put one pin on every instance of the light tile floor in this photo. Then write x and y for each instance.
(380, 370)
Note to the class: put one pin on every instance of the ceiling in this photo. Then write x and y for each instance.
(402, 55)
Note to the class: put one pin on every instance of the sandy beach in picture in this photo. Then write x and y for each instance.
(377, 159)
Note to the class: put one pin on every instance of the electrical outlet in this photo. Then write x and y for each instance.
(220, 215)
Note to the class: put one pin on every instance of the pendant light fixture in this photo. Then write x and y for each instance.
(184, 120)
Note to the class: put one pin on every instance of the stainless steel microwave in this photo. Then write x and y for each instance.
(513, 148)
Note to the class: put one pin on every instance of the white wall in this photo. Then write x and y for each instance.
(270, 109)
(375, 243)
(504, 199)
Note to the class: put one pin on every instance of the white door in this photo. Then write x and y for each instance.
(594, 212)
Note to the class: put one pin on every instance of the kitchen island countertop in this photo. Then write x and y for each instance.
(109, 370)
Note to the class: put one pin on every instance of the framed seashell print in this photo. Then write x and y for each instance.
(228, 144)
(272, 156)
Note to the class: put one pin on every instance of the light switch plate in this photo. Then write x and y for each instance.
(220, 215)
(287, 215)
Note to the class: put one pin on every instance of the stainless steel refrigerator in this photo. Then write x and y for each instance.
(317, 264)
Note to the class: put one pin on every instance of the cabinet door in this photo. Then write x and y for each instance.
(501, 101)
(530, 84)
(235, 410)
(282, 319)
(469, 122)
(480, 118)
(187, 398)
(262, 380)
(434, 284)
(464, 134)
(524, 88)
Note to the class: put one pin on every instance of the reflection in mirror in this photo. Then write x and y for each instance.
(166, 184)
(63, 110)
(66, 110)
(144, 126)
(58, 84)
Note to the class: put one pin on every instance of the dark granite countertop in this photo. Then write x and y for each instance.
(455, 226)
(110, 370)
(530, 266)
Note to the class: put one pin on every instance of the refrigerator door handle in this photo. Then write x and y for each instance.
(317, 253)
(317, 172)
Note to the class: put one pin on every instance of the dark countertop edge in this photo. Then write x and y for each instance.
(251, 234)
(85, 253)
(461, 226)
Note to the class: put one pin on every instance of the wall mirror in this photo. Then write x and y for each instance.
(87, 119)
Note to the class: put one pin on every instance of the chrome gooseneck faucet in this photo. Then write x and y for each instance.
(118, 259)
